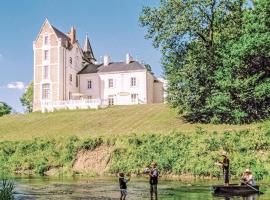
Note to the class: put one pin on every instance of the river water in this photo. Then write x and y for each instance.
(108, 189)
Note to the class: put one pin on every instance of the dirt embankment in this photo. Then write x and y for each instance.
(92, 161)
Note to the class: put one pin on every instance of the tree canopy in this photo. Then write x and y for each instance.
(27, 98)
(216, 57)
(4, 109)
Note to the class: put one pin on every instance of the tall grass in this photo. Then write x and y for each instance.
(176, 153)
(7, 190)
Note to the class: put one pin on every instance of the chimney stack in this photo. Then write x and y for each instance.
(129, 58)
(72, 35)
(107, 60)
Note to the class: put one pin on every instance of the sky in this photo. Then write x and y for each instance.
(112, 26)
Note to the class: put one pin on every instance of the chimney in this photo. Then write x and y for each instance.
(128, 58)
(72, 35)
(107, 60)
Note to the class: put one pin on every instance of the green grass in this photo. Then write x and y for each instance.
(155, 118)
(176, 153)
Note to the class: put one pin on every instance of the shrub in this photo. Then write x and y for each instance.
(7, 190)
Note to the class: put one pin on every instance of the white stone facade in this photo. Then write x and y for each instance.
(68, 77)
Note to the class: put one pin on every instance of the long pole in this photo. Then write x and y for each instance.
(252, 187)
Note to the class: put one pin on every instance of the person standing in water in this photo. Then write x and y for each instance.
(225, 167)
(123, 185)
(153, 180)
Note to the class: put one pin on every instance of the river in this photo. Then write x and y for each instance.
(107, 188)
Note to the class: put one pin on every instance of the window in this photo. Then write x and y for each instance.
(89, 84)
(46, 91)
(70, 77)
(46, 55)
(111, 100)
(110, 83)
(46, 40)
(89, 97)
(134, 97)
(45, 72)
(70, 60)
(133, 81)
(77, 81)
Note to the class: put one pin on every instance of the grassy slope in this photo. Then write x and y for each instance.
(156, 118)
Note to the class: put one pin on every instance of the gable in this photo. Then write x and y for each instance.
(46, 29)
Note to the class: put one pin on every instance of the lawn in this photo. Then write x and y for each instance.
(155, 118)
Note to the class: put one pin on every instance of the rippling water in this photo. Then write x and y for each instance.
(107, 188)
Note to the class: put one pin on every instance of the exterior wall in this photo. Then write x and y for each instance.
(95, 91)
(150, 88)
(122, 88)
(53, 62)
(59, 66)
(72, 68)
(158, 92)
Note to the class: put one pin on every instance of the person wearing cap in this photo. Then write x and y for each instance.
(153, 179)
(225, 167)
(248, 178)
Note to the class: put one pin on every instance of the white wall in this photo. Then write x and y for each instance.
(94, 92)
(122, 88)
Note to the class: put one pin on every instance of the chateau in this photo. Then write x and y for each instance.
(67, 76)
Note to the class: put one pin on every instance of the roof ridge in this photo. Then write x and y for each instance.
(57, 31)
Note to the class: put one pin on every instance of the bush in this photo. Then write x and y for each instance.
(7, 190)
(176, 153)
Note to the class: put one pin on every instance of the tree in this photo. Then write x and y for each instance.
(148, 67)
(27, 98)
(217, 70)
(4, 109)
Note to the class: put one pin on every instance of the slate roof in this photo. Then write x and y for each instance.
(112, 67)
(60, 34)
(90, 68)
(87, 49)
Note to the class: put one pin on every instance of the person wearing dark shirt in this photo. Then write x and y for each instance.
(225, 168)
(153, 180)
(123, 185)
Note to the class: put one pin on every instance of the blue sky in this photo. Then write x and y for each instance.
(112, 26)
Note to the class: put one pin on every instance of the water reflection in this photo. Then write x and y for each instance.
(251, 197)
(229, 197)
(108, 189)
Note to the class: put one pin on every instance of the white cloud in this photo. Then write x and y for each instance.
(16, 85)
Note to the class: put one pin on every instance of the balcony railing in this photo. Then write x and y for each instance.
(51, 106)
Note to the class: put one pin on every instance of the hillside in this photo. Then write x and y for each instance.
(155, 118)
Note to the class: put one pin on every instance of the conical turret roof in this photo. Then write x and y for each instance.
(87, 49)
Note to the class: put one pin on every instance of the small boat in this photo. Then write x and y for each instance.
(236, 190)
